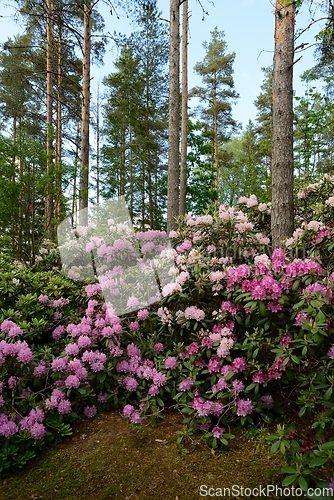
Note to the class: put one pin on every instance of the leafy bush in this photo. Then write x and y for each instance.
(239, 334)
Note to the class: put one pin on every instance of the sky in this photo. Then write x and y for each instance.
(249, 32)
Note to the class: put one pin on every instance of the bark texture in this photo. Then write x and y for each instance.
(184, 109)
(174, 117)
(85, 111)
(48, 206)
(282, 217)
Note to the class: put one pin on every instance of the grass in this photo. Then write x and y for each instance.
(106, 460)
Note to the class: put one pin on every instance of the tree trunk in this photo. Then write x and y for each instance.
(184, 110)
(282, 216)
(174, 116)
(98, 146)
(59, 112)
(85, 112)
(48, 210)
(215, 141)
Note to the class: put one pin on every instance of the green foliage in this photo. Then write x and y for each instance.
(243, 172)
(313, 136)
(135, 121)
(200, 192)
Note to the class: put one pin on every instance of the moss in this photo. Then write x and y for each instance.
(106, 460)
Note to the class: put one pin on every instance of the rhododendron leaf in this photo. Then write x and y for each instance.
(262, 308)
(328, 394)
(318, 461)
(274, 447)
(303, 483)
(255, 353)
(250, 387)
(289, 480)
(288, 469)
(295, 286)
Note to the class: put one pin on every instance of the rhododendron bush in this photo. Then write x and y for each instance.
(237, 334)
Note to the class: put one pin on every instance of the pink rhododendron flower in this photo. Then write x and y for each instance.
(90, 411)
(268, 401)
(244, 407)
(186, 384)
(286, 340)
(158, 347)
(239, 365)
(330, 353)
(171, 363)
(217, 432)
(143, 314)
(225, 346)
(259, 377)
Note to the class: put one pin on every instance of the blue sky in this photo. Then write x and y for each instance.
(249, 32)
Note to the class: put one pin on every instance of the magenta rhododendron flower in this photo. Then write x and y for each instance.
(40, 369)
(239, 365)
(158, 347)
(259, 377)
(186, 384)
(217, 432)
(11, 328)
(286, 340)
(153, 390)
(130, 383)
(171, 363)
(268, 401)
(136, 418)
(90, 411)
(330, 353)
(244, 407)
(128, 410)
(72, 382)
(143, 314)
(43, 299)
(64, 407)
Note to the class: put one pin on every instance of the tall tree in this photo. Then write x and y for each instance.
(264, 118)
(216, 95)
(174, 116)
(313, 136)
(200, 193)
(184, 108)
(243, 172)
(134, 154)
(85, 109)
(282, 216)
(50, 71)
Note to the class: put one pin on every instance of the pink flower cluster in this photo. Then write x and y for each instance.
(13, 330)
(19, 349)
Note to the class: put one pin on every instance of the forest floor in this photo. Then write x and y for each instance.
(105, 459)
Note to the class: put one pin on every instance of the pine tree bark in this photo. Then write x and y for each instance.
(174, 117)
(282, 215)
(85, 112)
(184, 109)
(59, 131)
(48, 206)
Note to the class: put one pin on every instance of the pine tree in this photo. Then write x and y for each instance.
(173, 200)
(216, 95)
(282, 214)
(264, 118)
(135, 120)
